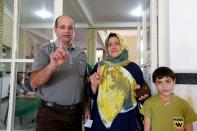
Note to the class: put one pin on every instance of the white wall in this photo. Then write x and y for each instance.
(163, 35)
(183, 45)
(183, 35)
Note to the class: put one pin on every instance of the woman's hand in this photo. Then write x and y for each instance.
(94, 79)
(142, 92)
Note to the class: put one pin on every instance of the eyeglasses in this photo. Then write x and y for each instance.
(63, 27)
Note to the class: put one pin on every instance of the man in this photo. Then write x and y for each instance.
(20, 87)
(58, 71)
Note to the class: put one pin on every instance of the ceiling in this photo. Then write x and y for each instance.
(100, 14)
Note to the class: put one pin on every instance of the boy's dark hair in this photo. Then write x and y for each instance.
(161, 72)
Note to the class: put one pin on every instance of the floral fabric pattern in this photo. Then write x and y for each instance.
(115, 92)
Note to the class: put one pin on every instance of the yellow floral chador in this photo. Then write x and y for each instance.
(116, 88)
(115, 92)
(117, 85)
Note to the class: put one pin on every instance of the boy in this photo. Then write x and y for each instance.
(166, 111)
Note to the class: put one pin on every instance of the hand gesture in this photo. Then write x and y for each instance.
(58, 57)
(95, 80)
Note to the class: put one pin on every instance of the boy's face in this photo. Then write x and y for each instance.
(165, 86)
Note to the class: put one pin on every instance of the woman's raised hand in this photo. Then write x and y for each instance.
(95, 80)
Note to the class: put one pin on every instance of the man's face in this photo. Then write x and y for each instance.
(19, 78)
(65, 29)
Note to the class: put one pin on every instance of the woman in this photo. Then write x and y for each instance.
(112, 86)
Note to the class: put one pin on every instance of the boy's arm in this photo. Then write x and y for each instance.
(147, 123)
(188, 127)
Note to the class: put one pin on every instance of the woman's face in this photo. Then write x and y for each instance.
(114, 47)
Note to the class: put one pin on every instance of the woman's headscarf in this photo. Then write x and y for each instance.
(115, 92)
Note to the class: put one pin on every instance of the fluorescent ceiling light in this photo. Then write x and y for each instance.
(137, 12)
(43, 14)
